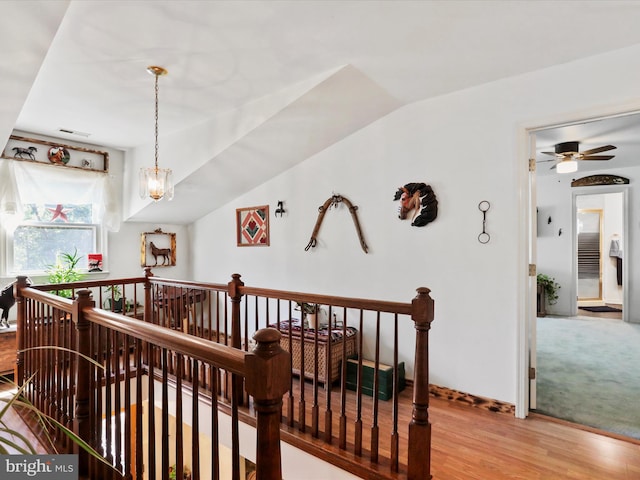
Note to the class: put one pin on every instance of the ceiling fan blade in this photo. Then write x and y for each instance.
(604, 148)
(553, 166)
(598, 157)
(552, 153)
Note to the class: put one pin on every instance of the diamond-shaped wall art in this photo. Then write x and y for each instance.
(252, 225)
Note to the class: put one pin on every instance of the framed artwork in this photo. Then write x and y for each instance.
(94, 262)
(158, 249)
(252, 226)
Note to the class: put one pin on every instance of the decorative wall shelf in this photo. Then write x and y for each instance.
(56, 154)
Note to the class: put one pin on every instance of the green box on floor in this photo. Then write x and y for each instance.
(385, 378)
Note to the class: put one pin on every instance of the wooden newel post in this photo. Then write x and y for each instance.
(236, 297)
(148, 305)
(21, 319)
(268, 379)
(236, 337)
(82, 417)
(419, 461)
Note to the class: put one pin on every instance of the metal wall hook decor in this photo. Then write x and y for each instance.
(280, 210)
(333, 201)
(484, 207)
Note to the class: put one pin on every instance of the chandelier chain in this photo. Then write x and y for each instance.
(156, 119)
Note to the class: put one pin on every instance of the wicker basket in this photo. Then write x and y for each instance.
(323, 355)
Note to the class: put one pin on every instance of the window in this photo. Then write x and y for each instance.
(53, 211)
(48, 230)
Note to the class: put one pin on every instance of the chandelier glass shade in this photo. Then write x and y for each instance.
(155, 182)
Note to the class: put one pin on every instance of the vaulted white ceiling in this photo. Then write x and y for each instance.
(325, 68)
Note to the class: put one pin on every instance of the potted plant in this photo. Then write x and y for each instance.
(65, 270)
(309, 313)
(547, 292)
(114, 298)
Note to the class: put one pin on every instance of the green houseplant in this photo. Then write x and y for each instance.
(65, 270)
(549, 286)
(114, 298)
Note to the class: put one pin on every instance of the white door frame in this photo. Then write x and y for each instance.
(527, 232)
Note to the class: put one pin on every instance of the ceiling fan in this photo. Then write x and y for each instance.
(567, 154)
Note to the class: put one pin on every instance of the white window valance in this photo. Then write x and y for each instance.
(28, 182)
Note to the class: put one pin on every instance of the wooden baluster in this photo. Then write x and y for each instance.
(128, 438)
(236, 339)
(82, 417)
(358, 423)
(343, 383)
(290, 399)
(147, 313)
(179, 440)
(395, 438)
(214, 377)
(138, 452)
(117, 407)
(164, 412)
(419, 461)
(195, 422)
(268, 378)
(375, 428)
(151, 417)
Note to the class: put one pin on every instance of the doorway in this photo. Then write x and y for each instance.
(574, 241)
(600, 240)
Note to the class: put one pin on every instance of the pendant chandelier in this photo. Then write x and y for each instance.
(156, 183)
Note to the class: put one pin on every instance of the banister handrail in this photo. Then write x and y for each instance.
(224, 312)
(187, 283)
(222, 356)
(196, 347)
(87, 284)
(267, 370)
(36, 293)
(348, 302)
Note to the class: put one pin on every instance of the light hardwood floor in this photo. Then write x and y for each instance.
(470, 443)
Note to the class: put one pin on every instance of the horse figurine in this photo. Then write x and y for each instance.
(25, 151)
(7, 300)
(160, 252)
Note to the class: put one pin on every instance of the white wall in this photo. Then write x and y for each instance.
(469, 146)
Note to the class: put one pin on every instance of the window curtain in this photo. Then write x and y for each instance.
(9, 201)
(55, 185)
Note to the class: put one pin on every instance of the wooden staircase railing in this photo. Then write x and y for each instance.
(103, 405)
(330, 394)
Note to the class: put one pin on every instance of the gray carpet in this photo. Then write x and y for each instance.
(589, 372)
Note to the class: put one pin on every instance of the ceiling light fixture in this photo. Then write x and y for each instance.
(156, 183)
(567, 166)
